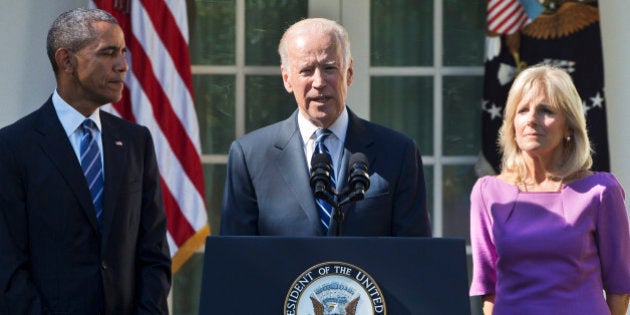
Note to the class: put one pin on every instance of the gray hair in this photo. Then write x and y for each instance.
(73, 30)
(316, 25)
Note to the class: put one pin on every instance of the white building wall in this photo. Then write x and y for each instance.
(27, 78)
(615, 23)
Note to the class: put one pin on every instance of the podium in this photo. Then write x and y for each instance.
(287, 275)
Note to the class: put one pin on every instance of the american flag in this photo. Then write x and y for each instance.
(505, 16)
(509, 16)
(158, 95)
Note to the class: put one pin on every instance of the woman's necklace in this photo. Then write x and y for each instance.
(523, 185)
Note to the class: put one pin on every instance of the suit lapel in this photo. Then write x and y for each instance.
(292, 166)
(56, 146)
(358, 139)
(114, 152)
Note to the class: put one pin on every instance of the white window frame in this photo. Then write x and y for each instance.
(355, 16)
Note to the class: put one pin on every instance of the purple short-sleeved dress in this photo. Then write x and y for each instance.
(550, 252)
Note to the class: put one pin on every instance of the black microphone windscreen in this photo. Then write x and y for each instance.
(319, 158)
(358, 157)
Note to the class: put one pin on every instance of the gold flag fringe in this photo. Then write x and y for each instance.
(189, 248)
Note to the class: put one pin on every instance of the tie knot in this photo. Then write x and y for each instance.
(88, 125)
(321, 134)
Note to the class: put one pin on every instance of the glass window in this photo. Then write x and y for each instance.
(214, 102)
(430, 89)
(464, 32)
(462, 115)
(401, 33)
(212, 27)
(214, 180)
(405, 104)
(266, 21)
(456, 186)
(266, 101)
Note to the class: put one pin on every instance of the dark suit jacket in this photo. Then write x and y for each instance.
(267, 189)
(53, 257)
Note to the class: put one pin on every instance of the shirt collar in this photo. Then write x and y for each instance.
(338, 128)
(70, 118)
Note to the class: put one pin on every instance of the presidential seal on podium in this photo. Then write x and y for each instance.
(334, 288)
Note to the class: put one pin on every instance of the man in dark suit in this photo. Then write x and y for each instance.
(74, 242)
(267, 189)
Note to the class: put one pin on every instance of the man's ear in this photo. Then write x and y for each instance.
(64, 59)
(350, 73)
(285, 80)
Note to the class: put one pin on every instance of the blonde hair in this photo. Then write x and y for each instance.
(562, 95)
(322, 25)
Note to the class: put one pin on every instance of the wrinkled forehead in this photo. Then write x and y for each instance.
(313, 39)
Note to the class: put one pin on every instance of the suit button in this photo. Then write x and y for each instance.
(104, 265)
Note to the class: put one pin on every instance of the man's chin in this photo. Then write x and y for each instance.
(113, 98)
(324, 121)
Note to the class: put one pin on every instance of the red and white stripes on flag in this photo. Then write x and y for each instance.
(159, 96)
(506, 16)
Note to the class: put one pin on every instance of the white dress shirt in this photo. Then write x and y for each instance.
(71, 121)
(334, 142)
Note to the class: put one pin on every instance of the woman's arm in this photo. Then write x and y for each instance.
(617, 303)
(613, 244)
(487, 302)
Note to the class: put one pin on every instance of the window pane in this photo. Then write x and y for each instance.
(464, 32)
(212, 32)
(462, 117)
(265, 22)
(214, 102)
(456, 186)
(402, 33)
(266, 101)
(187, 286)
(214, 180)
(405, 104)
(428, 179)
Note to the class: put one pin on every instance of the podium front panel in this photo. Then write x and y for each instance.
(254, 274)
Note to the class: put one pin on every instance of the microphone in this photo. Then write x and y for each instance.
(320, 176)
(359, 179)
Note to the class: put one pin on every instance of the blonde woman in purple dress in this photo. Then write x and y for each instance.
(548, 235)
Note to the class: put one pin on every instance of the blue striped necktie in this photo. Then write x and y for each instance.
(325, 209)
(91, 165)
